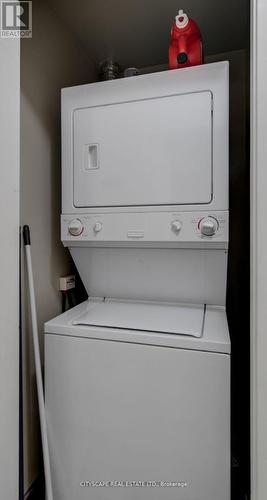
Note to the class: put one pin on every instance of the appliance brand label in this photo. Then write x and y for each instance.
(135, 234)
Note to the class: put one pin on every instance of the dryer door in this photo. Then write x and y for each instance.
(144, 153)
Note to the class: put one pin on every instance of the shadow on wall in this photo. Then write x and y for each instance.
(238, 287)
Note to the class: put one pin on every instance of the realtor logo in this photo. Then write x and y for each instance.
(16, 19)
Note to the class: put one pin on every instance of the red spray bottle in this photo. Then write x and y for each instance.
(186, 43)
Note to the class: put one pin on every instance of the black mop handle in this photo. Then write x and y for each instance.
(26, 235)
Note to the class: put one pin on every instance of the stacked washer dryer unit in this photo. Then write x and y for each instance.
(138, 377)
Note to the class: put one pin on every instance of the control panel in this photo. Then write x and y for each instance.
(169, 228)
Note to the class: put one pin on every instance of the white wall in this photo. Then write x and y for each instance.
(9, 267)
(259, 250)
(51, 60)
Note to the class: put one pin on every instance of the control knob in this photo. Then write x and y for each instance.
(75, 227)
(208, 226)
(176, 226)
(97, 226)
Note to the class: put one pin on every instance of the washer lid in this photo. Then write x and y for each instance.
(178, 319)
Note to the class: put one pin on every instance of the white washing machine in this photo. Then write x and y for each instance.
(137, 378)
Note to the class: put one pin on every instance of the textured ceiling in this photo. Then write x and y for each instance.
(136, 32)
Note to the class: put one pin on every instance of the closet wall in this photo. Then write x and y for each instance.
(50, 60)
(9, 267)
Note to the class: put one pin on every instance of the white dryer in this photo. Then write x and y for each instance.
(137, 378)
